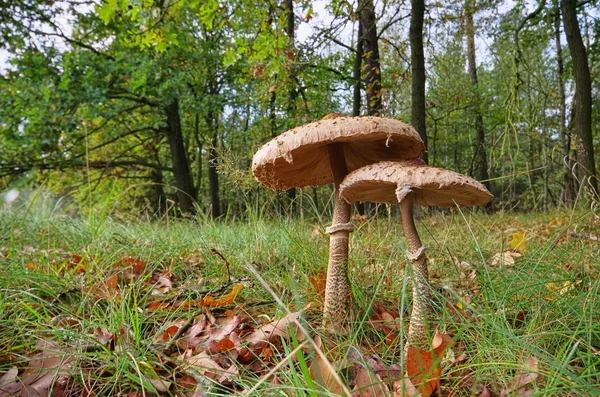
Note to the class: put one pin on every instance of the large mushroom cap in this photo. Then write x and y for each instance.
(389, 182)
(299, 157)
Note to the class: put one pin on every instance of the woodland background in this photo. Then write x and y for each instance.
(160, 104)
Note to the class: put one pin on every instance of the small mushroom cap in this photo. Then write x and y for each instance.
(389, 182)
(300, 157)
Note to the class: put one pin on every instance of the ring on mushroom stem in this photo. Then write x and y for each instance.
(409, 183)
(324, 152)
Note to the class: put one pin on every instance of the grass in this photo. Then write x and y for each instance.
(545, 305)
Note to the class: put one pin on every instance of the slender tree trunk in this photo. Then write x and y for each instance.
(292, 94)
(371, 55)
(181, 168)
(569, 190)
(199, 145)
(213, 175)
(356, 98)
(583, 97)
(480, 166)
(357, 72)
(418, 69)
(160, 198)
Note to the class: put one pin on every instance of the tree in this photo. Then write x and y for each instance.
(417, 58)
(582, 99)
(370, 42)
(479, 164)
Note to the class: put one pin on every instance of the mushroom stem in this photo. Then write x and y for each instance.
(421, 309)
(337, 288)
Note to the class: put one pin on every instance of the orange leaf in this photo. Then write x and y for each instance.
(225, 345)
(318, 282)
(228, 299)
(172, 330)
(137, 264)
(112, 282)
(157, 305)
(424, 368)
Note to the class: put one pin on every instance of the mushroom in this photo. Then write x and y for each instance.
(324, 152)
(408, 183)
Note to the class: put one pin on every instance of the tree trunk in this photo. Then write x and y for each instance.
(569, 190)
(583, 97)
(181, 168)
(213, 176)
(357, 69)
(199, 144)
(480, 164)
(371, 54)
(417, 60)
(292, 94)
(356, 98)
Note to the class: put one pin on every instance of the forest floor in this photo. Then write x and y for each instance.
(95, 307)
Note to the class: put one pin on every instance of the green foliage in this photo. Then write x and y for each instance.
(85, 106)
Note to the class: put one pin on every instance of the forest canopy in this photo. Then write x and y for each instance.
(162, 103)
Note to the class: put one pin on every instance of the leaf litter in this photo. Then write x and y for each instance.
(207, 346)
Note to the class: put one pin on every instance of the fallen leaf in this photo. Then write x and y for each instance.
(524, 377)
(226, 300)
(505, 258)
(517, 242)
(45, 370)
(278, 328)
(321, 373)
(369, 384)
(207, 365)
(318, 282)
(9, 377)
(225, 345)
(424, 368)
(161, 385)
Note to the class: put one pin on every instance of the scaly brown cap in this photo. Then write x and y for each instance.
(299, 157)
(389, 182)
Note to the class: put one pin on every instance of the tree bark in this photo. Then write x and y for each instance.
(418, 69)
(371, 55)
(292, 95)
(181, 168)
(356, 98)
(569, 192)
(213, 162)
(480, 164)
(582, 98)
(357, 72)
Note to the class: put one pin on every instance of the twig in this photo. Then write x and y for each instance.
(585, 236)
(227, 264)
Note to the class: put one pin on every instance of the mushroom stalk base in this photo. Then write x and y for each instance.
(337, 288)
(418, 334)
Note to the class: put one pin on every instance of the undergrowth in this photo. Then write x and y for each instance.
(499, 313)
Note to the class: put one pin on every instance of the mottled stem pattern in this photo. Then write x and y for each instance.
(418, 334)
(337, 289)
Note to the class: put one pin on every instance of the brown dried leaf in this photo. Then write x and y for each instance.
(45, 369)
(9, 377)
(405, 388)
(524, 377)
(505, 258)
(369, 384)
(278, 328)
(321, 373)
(206, 365)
